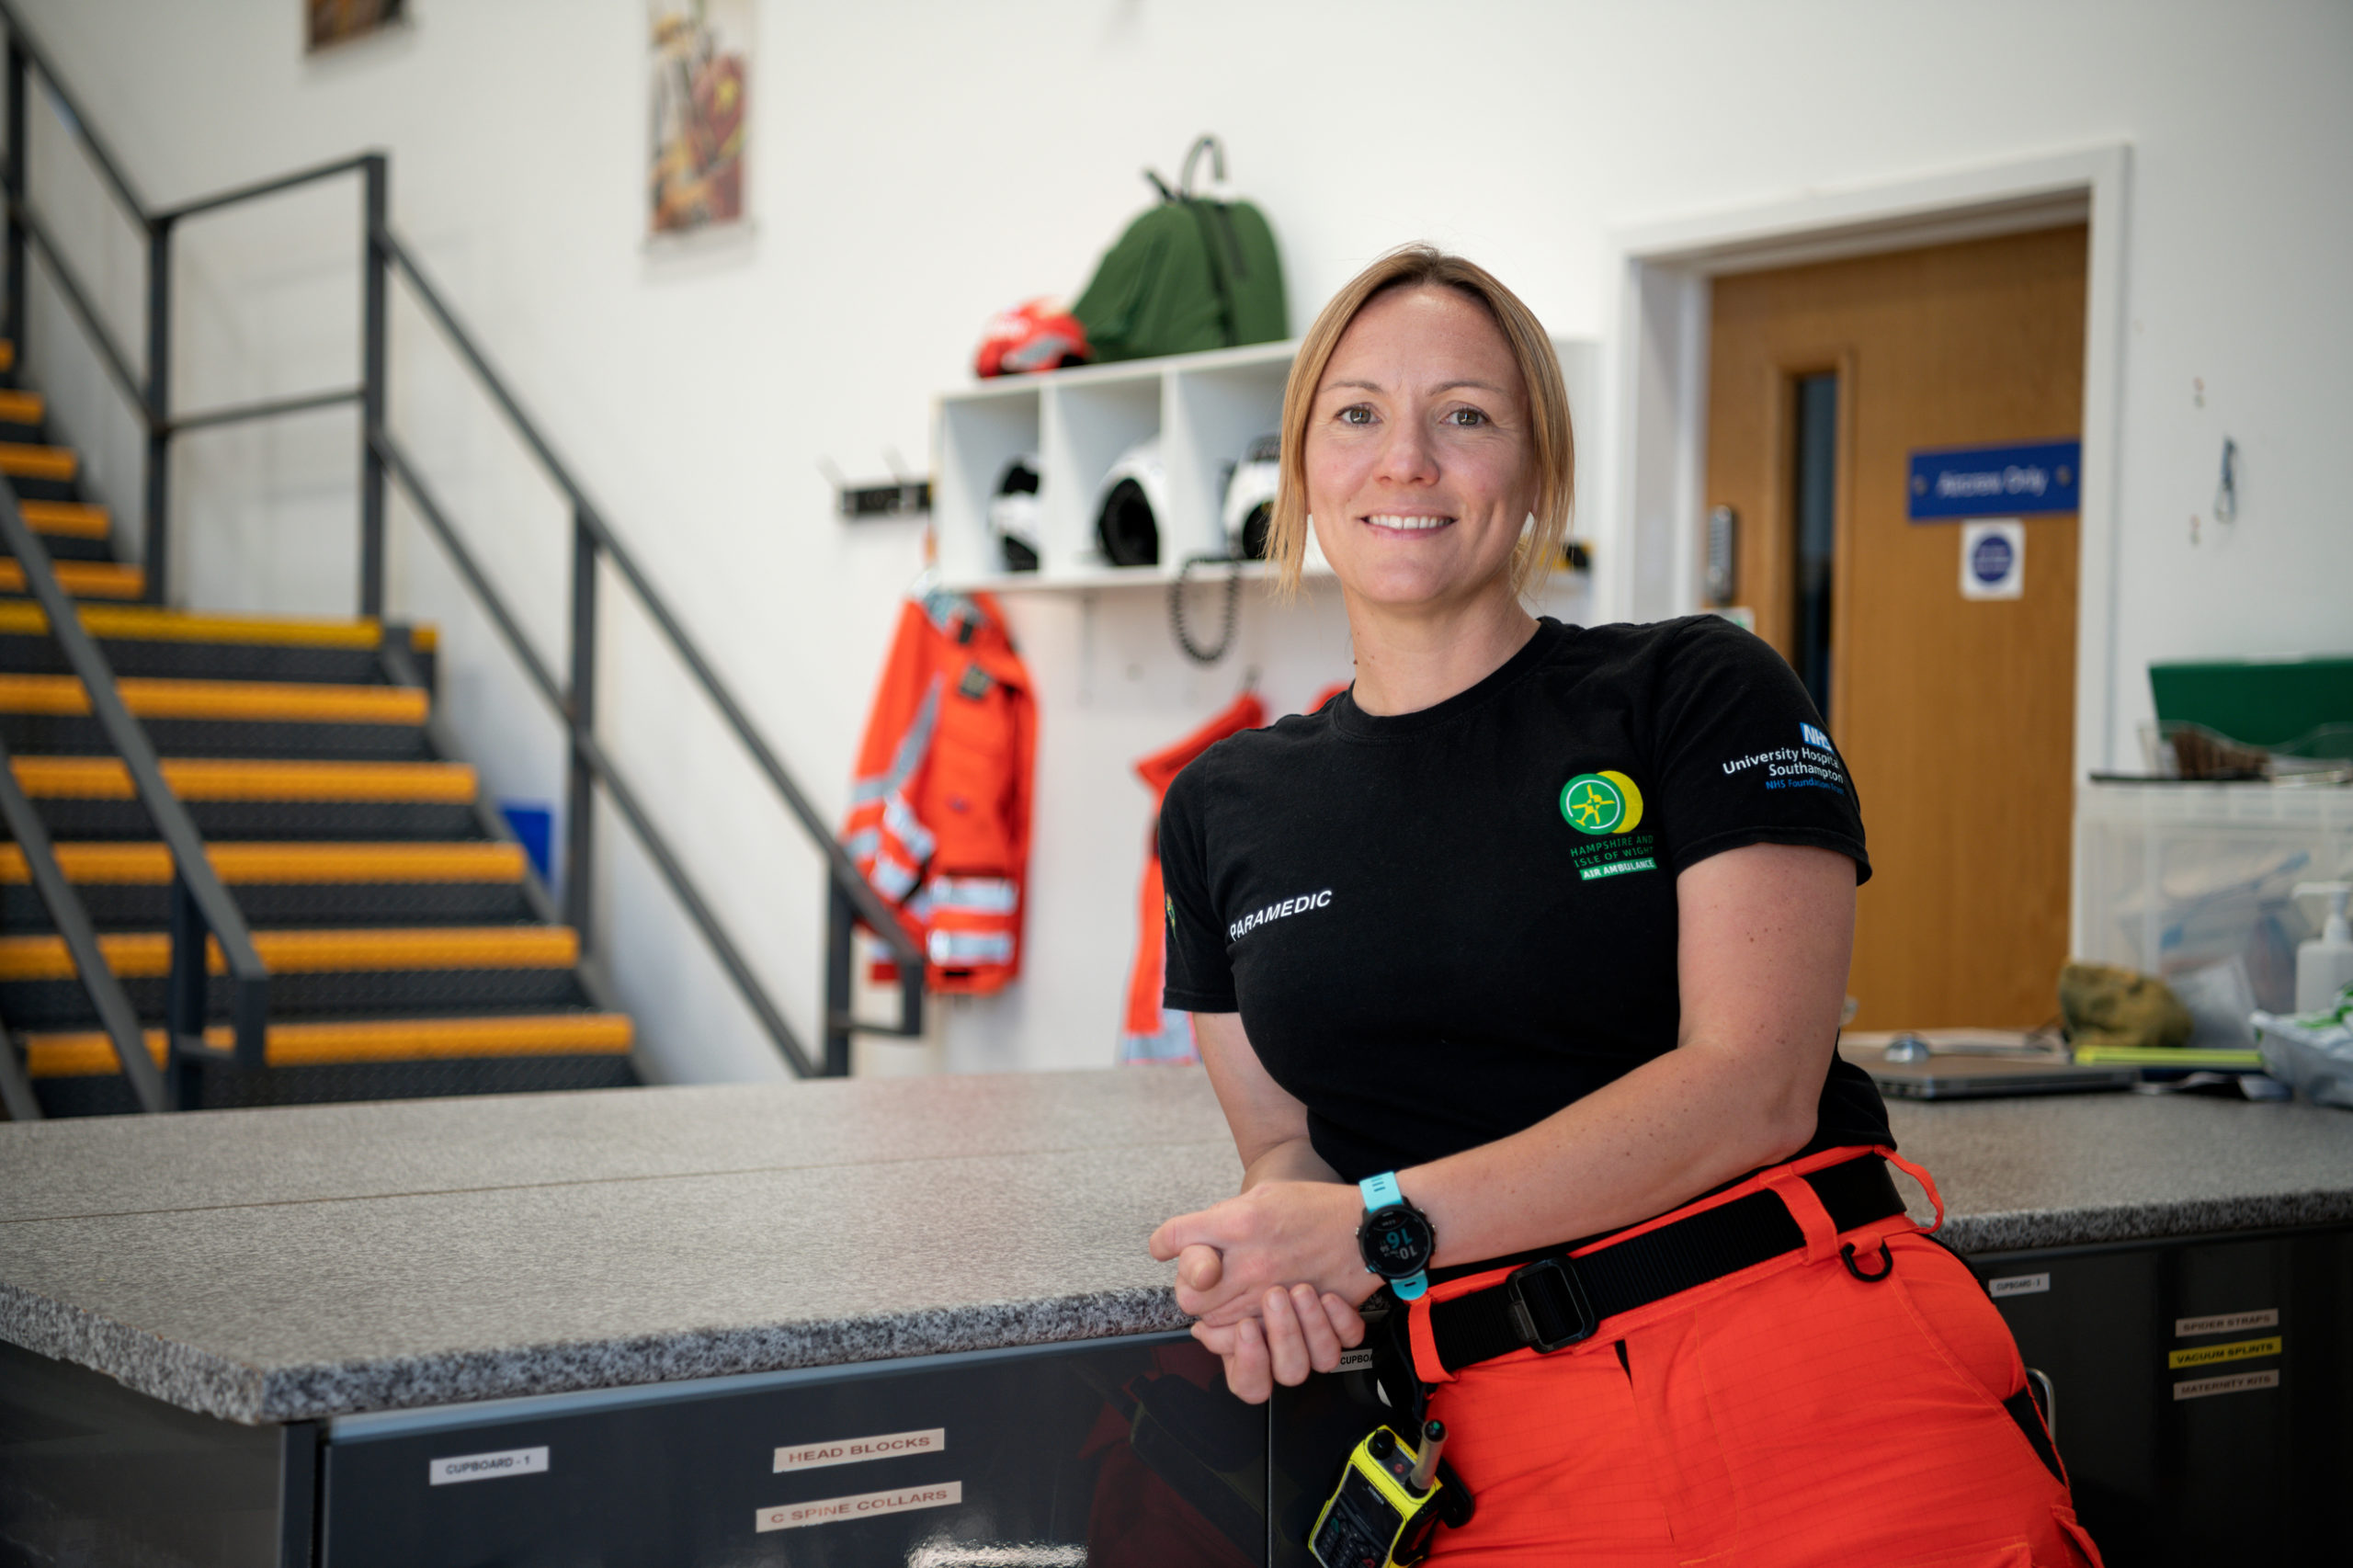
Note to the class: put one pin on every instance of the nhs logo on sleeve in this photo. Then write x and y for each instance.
(1813, 738)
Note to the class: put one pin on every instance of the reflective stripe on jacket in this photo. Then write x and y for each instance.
(939, 809)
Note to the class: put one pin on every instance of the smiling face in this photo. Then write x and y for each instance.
(1419, 461)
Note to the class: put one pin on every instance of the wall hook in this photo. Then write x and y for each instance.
(2226, 492)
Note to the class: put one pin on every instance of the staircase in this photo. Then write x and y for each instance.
(411, 948)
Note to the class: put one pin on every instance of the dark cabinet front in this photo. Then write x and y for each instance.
(2203, 1390)
(1123, 1452)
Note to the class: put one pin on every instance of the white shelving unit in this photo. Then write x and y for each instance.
(1206, 408)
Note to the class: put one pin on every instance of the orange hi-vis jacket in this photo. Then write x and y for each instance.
(1148, 1033)
(939, 811)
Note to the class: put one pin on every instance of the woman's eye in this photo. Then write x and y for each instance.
(1466, 417)
(1355, 413)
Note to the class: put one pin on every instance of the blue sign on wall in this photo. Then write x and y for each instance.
(2041, 477)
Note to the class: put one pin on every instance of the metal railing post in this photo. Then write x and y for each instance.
(19, 79)
(156, 565)
(183, 999)
(580, 702)
(377, 172)
(839, 955)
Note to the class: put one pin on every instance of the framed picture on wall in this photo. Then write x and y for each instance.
(698, 70)
(326, 23)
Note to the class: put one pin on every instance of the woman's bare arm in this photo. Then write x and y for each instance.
(1765, 937)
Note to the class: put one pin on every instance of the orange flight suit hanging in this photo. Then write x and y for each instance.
(1149, 1032)
(939, 811)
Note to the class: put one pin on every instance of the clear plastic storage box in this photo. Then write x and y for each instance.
(2175, 877)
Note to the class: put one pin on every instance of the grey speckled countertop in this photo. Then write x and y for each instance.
(283, 1265)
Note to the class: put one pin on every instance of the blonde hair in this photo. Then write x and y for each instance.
(1426, 266)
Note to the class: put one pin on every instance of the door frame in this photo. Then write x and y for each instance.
(1654, 481)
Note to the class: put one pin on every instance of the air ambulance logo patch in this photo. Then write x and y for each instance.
(1599, 803)
(1606, 808)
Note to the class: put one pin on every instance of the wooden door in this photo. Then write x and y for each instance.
(1956, 716)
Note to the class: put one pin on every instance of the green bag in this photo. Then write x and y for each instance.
(1189, 274)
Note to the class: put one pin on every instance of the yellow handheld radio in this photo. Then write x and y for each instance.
(1380, 1513)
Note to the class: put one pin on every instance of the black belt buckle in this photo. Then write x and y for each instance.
(1524, 1319)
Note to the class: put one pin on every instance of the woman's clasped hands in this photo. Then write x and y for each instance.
(1274, 1279)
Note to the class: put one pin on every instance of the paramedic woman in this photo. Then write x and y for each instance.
(1534, 942)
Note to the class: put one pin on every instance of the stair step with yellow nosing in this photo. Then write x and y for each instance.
(21, 459)
(67, 519)
(281, 702)
(231, 799)
(126, 885)
(82, 579)
(81, 1054)
(20, 408)
(145, 623)
(282, 863)
(207, 778)
(147, 954)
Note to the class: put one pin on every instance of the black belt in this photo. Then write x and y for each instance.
(1555, 1301)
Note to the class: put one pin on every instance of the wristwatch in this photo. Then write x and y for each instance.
(1395, 1238)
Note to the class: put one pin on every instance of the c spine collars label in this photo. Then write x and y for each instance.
(866, 1506)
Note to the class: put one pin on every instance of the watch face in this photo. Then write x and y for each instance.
(1396, 1242)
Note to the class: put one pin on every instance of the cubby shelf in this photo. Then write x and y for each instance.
(1206, 409)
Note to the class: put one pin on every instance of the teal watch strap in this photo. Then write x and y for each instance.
(1382, 1192)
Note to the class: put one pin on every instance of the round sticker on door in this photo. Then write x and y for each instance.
(1992, 560)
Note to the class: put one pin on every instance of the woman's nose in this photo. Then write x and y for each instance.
(1408, 457)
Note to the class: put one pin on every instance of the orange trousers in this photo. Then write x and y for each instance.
(1790, 1413)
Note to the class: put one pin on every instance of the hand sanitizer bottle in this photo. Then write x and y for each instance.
(2324, 964)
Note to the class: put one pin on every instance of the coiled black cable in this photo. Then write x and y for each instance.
(1232, 609)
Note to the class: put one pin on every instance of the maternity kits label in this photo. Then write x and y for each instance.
(2232, 1382)
(487, 1467)
(834, 1510)
(855, 1451)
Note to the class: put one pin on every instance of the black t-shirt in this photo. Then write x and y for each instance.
(1440, 927)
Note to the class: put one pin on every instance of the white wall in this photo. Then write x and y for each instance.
(917, 166)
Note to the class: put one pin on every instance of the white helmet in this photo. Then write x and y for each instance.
(1128, 511)
(1013, 514)
(1250, 498)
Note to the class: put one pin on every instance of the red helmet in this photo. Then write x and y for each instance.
(1038, 336)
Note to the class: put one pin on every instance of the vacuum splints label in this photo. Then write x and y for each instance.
(834, 1510)
(857, 1451)
(2211, 1355)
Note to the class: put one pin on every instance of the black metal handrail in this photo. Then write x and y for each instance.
(849, 897)
(201, 905)
(849, 900)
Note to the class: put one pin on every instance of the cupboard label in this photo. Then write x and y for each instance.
(485, 1467)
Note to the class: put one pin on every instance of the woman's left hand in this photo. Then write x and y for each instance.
(1279, 1233)
(1296, 1331)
